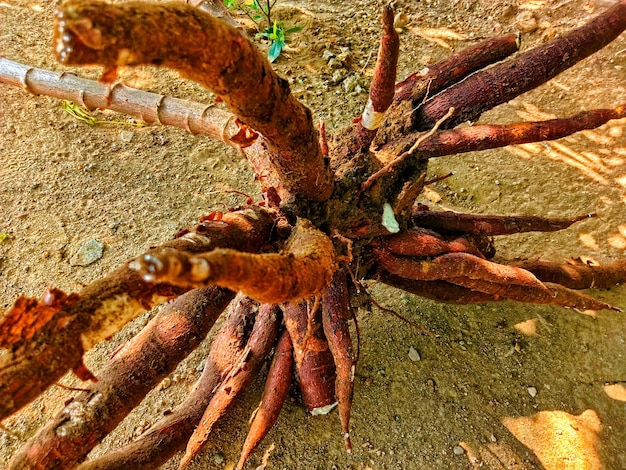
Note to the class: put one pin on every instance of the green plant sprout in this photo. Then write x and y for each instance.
(79, 113)
(274, 31)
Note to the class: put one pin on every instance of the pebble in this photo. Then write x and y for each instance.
(327, 55)
(166, 383)
(458, 450)
(414, 355)
(351, 83)
(337, 76)
(218, 459)
(401, 20)
(532, 391)
(526, 22)
(126, 136)
(87, 254)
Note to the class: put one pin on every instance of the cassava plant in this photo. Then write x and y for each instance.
(336, 210)
(269, 29)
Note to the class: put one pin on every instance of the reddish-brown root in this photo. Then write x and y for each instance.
(277, 386)
(335, 315)
(474, 138)
(528, 70)
(262, 340)
(422, 242)
(421, 85)
(489, 225)
(315, 368)
(441, 291)
(170, 434)
(577, 275)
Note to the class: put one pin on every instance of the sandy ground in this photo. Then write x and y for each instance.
(503, 385)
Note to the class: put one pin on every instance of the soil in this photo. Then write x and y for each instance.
(503, 385)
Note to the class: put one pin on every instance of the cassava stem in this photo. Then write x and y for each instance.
(181, 37)
(192, 116)
(303, 269)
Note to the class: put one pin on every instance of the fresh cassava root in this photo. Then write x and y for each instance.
(289, 252)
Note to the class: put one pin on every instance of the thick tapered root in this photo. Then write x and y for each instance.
(421, 85)
(276, 389)
(423, 242)
(528, 70)
(490, 225)
(315, 368)
(487, 277)
(382, 88)
(176, 35)
(474, 138)
(335, 314)
(171, 433)
(130, 375)
(576, 274)
(303, 269)
(261, 342)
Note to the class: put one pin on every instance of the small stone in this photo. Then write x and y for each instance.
(532, 391)
(166, 383)
(327, 55)
(458, 450)
(218, 458)
(337, 76)
(335, 63)
(350, 83)
(526, 22)
(126, 136)
(493, 438)
(87, 254)
(401, 20)
(414, 355)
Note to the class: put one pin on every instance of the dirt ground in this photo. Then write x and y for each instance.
(503, 385)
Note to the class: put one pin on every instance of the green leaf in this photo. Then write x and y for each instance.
(295, 29)
(275, 50)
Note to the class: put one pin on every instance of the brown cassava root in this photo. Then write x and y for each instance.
(323, 220)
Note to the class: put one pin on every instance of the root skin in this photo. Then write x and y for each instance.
(503, 82)
(315, 368)
(490, 225)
